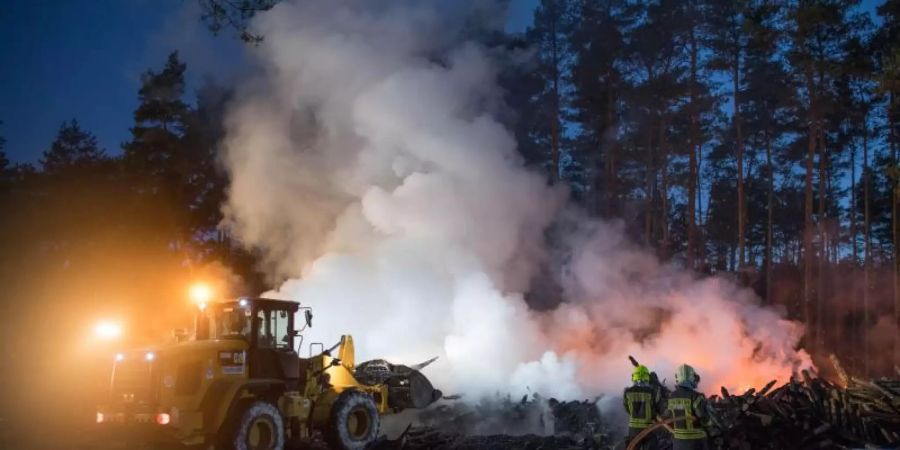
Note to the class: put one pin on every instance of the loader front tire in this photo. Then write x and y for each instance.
(259, 427)
(354, 423)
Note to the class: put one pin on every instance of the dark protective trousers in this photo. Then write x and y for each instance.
(690, 444)
(649, 442)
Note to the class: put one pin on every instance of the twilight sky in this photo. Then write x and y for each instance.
(63, 59)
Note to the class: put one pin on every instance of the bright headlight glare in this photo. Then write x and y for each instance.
(201, 293)
(108, 330)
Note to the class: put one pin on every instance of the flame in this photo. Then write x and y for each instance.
(721, 348)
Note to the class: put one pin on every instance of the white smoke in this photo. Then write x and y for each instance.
(368, 166)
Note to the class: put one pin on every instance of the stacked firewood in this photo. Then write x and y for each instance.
(810, 412)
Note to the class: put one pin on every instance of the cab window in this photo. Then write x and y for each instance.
(229, 321)
(272, 329)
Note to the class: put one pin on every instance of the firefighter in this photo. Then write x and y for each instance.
(690, 411)
(643, 402)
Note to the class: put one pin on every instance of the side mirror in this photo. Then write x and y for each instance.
(307, 314)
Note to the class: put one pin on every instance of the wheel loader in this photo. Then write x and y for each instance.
(239, 383)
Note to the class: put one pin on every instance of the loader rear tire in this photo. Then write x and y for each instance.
(354, 423)
(259, 427)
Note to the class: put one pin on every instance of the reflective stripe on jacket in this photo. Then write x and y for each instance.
(641, 404)
(688, 409)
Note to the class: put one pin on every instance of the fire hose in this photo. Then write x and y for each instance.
(646, 432)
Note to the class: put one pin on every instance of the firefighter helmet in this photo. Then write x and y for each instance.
(641, 373)
(686, 376)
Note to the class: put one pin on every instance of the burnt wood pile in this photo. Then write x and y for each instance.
(529, 423)
(806, 413)
(810, 412)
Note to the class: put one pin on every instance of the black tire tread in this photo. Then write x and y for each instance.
(340, 410)
(241, 420)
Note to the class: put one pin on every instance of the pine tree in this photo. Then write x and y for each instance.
(548, 35)
(221, 14)
(728, 43)
(658, 66)
(888, 54)
(769, 112)
(818, 35)
(157, 156)
(5, 169)
(693, 110)
(4, 161)
(73, 150)
(204, 130)
(599, 52)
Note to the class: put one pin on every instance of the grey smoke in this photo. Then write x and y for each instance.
(368, 165)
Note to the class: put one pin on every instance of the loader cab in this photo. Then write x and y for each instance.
(267, 325)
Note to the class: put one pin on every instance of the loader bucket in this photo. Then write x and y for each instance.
(407, 386)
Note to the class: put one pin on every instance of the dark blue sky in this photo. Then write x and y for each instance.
(61, 59)
(83, 59)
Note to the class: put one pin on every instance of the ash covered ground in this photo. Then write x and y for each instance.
(805, 413)
(503, 422)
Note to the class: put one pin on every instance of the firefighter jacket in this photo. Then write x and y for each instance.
(643, 402)
(690, 411)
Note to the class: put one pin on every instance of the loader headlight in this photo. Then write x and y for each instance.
(107, 330)
(201, 293)
(100, 417)
(163, 419)
(120, 357)
(150, 356)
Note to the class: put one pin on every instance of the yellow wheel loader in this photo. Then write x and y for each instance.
(240, 384)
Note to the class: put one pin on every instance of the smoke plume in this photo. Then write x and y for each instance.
(368, 165)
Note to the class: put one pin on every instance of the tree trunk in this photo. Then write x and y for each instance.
(808, 203)
(694, 141)
(742, 220)
(894, 224)
(612, 186)
(554, 121)
(867, 243)
(664, 191)
(853, 228)
(854, 332)
(823, 240)
(701, 228)
(651, 177)
(770, 207)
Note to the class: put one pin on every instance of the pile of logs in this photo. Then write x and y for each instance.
(810, 413)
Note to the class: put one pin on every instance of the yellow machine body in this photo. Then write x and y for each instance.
(188, 391)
